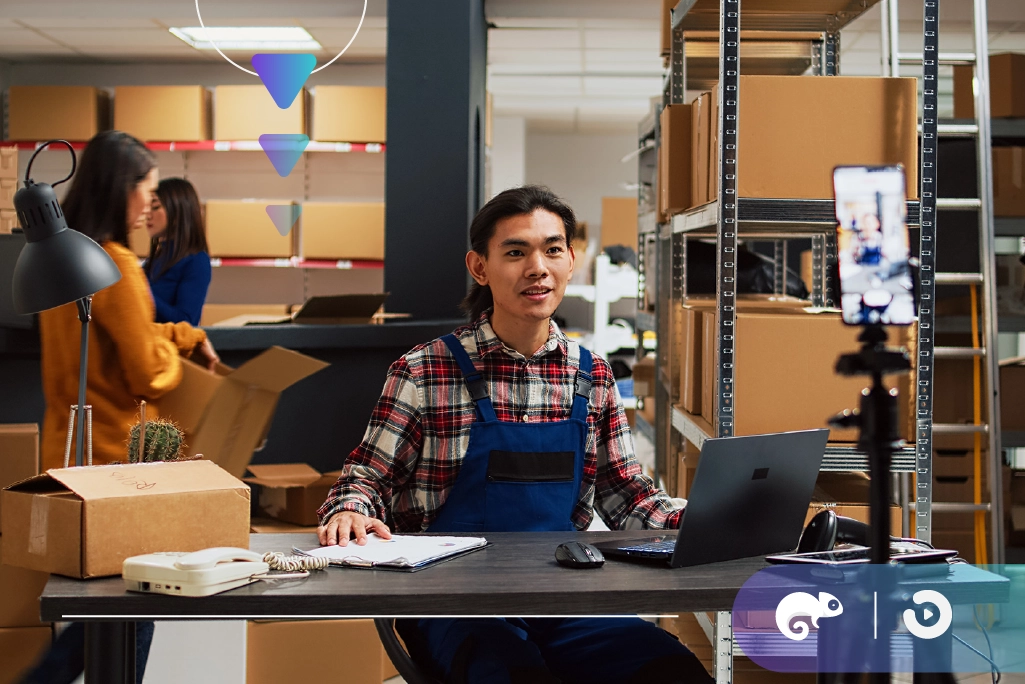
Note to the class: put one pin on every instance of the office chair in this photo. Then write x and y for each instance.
(398, 655)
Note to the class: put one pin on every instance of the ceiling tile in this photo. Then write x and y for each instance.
(563, 58)
(89, 22)
(116, 39)
(368, 40)
(22, 37)
(622, 87)
(526, 39)
(536, 85)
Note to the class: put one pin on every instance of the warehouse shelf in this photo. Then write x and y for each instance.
(1006, 323)
(762, 52)
(645, 320)
(766, 215)
(642, 426)
(647, 222)
(227, 146)
(1009, 226)
(772, 15)
(1009, 129)
(837, 458)
(295, 262)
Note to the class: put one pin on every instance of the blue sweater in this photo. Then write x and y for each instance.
(179, 292)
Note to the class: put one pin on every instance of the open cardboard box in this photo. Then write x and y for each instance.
(84, 522)
(291, 492)
(227, 415)
(346, 309)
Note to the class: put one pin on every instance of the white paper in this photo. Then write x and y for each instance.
(403, 551)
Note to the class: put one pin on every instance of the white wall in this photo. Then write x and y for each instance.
(582, 168)
(508, 153)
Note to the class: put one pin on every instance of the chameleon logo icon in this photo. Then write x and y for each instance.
(803, 604)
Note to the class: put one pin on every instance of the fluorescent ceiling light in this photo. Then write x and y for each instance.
(247, 37)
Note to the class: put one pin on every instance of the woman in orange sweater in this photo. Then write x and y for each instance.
(131, 357)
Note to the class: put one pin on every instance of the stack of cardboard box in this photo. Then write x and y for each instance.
(8, 186)
(74, 113)
(1006, 100)
(22, 636)
(848, 120)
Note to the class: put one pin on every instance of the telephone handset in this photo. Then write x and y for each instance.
(201, 573)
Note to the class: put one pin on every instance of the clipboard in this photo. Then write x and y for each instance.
(403, 553)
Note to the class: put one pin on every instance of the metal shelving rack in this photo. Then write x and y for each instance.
(730, 218)
(931, 130)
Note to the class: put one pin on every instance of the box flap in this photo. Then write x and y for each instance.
(276, 369)
(347, 306)
(187, 403)
(283, 475)
(1016, 361)
(144, 479)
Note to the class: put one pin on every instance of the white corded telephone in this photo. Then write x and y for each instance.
(201, 573)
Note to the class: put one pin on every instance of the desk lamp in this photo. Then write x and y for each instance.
(58, 266)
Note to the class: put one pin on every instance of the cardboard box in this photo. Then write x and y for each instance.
(19, 454)
(226, 416)
(349, 309)
(841, 120)
(349, 114)
(83, 522)
(245, 112)
(9, 162)
(322, 646)
(180, 113)
(962, 541)
(8, 186)
(19, 595)
(644, 377)
(713, 144)
(784, 377)
(272, 526)
(1006, 87)
(691, 358)
(1008, 181)
(20, 648)
(8, 220)
(700, 121)
(1012, 394)
(241, 228)
(291, 492)
(619, 221)
(675, 160)
(343, 230)
(666, 28)
(215, 313)
(38, 113)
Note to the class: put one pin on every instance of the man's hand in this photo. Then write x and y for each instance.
(206, 356)
(344, 524)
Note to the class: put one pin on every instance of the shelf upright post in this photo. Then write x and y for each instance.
(726, 233)
(830, 66)
(987, 251)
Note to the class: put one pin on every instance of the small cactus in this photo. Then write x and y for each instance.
(164, 442)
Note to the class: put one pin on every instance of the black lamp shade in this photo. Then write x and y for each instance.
(57, 265)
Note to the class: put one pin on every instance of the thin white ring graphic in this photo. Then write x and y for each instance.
(253, 73)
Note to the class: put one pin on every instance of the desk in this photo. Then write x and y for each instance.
(517, 575)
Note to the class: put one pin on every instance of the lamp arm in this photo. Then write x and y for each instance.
(74, 162)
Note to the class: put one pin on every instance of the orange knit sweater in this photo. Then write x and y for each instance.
(130, 358)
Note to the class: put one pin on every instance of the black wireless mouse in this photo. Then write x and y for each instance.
(575, 554)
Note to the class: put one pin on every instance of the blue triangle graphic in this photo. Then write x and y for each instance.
(284, 150)
(284, 75)
(284, 216)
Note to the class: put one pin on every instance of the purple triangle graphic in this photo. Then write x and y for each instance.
(284, 75)
(284, 216)
(284, 150)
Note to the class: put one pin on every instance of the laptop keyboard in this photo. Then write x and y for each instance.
(651, 547)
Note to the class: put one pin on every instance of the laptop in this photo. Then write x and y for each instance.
(750, 498)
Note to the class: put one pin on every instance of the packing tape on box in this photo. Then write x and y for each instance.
(38, 524)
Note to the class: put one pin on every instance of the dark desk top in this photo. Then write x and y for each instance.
(516, 575)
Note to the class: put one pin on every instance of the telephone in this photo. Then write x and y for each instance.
(201, 573)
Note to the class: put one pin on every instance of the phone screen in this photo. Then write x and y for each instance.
(872, 246)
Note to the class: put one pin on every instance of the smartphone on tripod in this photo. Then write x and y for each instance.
(873, 252)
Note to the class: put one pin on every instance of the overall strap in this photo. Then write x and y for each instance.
(474, 381)
(583, 385)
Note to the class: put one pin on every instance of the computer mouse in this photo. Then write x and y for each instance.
(575, 554)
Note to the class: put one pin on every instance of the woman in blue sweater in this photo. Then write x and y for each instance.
(178, 267)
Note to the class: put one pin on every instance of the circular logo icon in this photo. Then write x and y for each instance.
(930, 617)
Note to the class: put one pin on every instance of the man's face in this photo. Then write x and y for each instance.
(527, 266)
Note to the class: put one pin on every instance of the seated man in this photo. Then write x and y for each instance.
(507, 425)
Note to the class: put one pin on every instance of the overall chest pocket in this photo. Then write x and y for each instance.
(531, 467)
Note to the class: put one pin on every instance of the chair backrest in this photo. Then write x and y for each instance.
(408, 669)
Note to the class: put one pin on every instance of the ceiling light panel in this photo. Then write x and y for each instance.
(270, 38)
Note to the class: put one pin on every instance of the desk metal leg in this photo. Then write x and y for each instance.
(722, 647)
(110, 653)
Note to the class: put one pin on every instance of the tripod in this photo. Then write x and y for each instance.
(876, 420)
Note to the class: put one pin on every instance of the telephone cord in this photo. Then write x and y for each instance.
(279, 561)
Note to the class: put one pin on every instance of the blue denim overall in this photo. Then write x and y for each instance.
(526, 477)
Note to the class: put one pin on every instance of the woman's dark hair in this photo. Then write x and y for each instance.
(513, 202)
(112, 164)
(185, 233)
